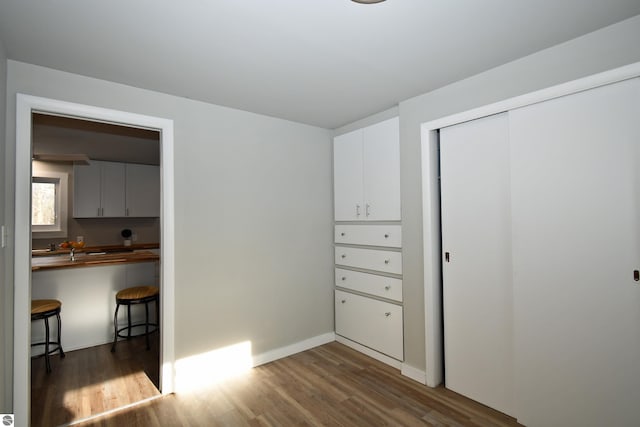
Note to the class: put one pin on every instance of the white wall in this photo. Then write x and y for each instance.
(6, 296)
(601, 50)
(253, 209)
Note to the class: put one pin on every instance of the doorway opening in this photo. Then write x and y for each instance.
(32, 111)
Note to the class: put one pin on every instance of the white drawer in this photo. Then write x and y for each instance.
(372, 323)
(370, 259)
(386, 287)
(373, 235)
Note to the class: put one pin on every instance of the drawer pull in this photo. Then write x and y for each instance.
(387, 314)
(386, 288)
(343, 301)
(342, 234)
(343, 278)
(357, 210)
(386, 236)
(343, 256)
(387, 261)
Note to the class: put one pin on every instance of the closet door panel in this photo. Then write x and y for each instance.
(476, 235)
(575, 194)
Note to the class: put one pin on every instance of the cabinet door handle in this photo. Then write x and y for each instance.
(367, 209)
(98, 212)
(387, 261)
(357, 210)
(387, 314)
(126, 212)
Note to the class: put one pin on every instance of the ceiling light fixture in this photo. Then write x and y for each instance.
(367, 1)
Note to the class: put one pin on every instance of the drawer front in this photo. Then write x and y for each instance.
(370, 259)
(372, 323)
(372, 235)
(385, 287)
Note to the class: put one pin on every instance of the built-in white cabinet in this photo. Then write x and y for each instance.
(373, 323)
(112, 190)
(367, 173)
(142, 190)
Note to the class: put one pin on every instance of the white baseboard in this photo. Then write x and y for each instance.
(369, 352)
(414, 373)
(289, 350)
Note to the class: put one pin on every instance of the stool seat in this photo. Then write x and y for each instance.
(132, 296)
(137, 293)
(42, 309)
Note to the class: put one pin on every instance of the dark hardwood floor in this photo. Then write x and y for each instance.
(93, 380)
(331, 385)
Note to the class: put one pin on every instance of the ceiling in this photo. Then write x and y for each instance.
(321, 62)
(59, 136)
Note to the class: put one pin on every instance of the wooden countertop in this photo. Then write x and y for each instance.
(102, 248)
(88, 259)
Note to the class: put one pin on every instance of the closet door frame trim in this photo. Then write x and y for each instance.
(431, 238)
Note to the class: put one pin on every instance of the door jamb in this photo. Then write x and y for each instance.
(25, 106)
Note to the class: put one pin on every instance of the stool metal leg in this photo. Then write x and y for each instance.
(46, 344)
(146, 321)
(129, 321)
(115, 329)
(62, 355)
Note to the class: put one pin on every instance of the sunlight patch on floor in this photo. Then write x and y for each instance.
(210, 368)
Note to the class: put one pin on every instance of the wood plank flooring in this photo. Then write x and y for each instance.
(92, 381)
(331, 385)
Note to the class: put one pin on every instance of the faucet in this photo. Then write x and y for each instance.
(73, 254)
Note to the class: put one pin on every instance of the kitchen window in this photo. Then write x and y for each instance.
(49, 204)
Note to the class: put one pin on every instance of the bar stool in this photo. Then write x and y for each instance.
(44, 309)
(132, 296)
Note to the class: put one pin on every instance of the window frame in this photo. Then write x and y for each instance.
(61, 181)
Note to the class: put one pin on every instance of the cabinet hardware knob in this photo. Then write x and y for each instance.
(343, 256)
(342, 234)
(344, 278)
(343, 301)
(387, 314)
(357, 210)
(367, 209)
(386, 288)
(386, 236)
(387, 261)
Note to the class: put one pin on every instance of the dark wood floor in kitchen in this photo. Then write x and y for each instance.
(93, 380)
(331, 385)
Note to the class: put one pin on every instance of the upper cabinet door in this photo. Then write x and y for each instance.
(347, 177)
(142, 190)
(86, 190)
(113, 178)
(381, 159)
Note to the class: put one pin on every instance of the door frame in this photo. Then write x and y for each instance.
(431, 234)
(25, 106)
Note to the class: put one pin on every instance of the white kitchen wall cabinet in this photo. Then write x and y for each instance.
(114, 190)
(142, 190)
(541, 258)
(98, 190)
(367, 173)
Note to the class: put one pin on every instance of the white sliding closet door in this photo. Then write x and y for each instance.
(576, 207)
(476, 244)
